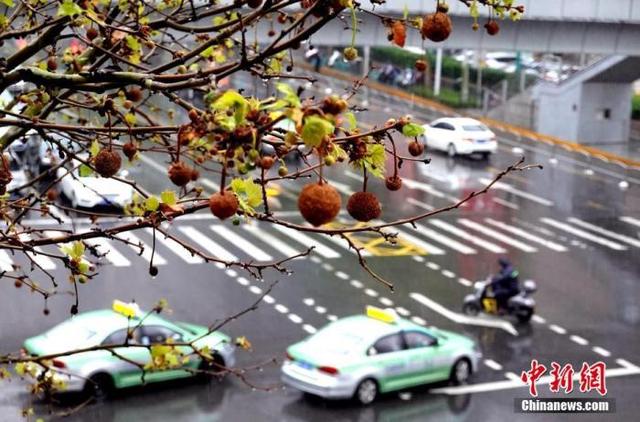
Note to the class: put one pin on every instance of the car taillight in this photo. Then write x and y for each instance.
(328, 369)
(467, 139)
(58, 363)
(289, 357)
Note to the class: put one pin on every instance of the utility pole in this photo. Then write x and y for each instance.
(464, 94)
(438, 74)
(366, 59)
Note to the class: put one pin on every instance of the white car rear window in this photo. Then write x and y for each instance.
(338, 341)
(475, 128)
(72, 331)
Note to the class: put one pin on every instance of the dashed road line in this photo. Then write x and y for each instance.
(577, 339)
(255, 290)
(465, 282)
(281, 308)
(243, 281)
(371, 292)
(557, 329)
(433, 266)
(357, 284)
(342, 275)
(603, 352)
(538, 319)
(448, 274)
(386, 301)
(493, 364)
(320, 309)
(295, 318)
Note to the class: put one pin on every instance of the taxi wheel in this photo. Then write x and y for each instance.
(212, 368)
(99, 387)
(461, 371)
(451, 150)
(367, 391)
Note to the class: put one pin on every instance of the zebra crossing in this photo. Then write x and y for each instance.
(261, 242)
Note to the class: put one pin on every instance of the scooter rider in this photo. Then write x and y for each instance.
(505, 283)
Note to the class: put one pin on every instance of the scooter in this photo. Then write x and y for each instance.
(522, 305)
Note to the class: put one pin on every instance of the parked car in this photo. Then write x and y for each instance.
(460, 136)
(84, 188)
(99, 372)
(364, 355)
(18, 176)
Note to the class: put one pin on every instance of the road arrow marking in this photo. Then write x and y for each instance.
(463, 319)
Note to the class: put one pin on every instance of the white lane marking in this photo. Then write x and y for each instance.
(493, 364)
(240, 242)
(219, 265)
(577, 339)
(420, 204)
(626, 364)
(242, 281)
(112, 254)
(557, 329)
(307, 241)
(414, 184)
(231, 273)
(309, 301)
(269, 299)
(630, 220)
(281, 308)
(345, 245)
(271, 240)
(402, 311)
(357, 284)
(309, 328)
(613, 235)
(146, 254)
(209, 245)
(527, 235)
(332, 318)
(320, 309)
(342, 275)
(295, 318)
(505, 203)
(463, 319)
(54, 211)
(538, 319)
(583, 234)
(341, 187)
(316, 259)
(512, 376)
(473, 239)
(497, 235)
(176, 248)
(370, 292)
(6, 264)
(448, 274)
(417, 258)
(447, 241)
(385, 301)
(255, 290)
(603, 352)
(428, 247)
(517, 383)
(418, 320)
(433, 266)
(508, 188)
(43, 261)
(464, 282)
(327, 266)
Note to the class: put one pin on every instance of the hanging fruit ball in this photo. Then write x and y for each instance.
(492, 27)
(436, 27)
(364, 206)
(180, 173)
(134, 94)
(107, 162)
(420, 65)
(223, 205)
(393, 183)
(319, 203)
(350, 53)
(130, 150)
(416, 148)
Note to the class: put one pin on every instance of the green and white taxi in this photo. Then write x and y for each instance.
(99, 372)
(361, 356)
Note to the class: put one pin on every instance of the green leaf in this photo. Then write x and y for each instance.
(412, 130)
(208, 52)
(289, 94)
(249, 194)
(168, 197)
(9, 3)
(405, 12)
(68, 8)
(232, 100)
(85, 171)
(130, 118)
(152, 203)
(315, 129)
(94, 149)
(374, 161)
(351, 119)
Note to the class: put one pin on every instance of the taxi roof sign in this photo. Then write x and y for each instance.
(129, 310)
(384, 315)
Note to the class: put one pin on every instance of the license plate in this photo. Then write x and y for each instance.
(481, 141)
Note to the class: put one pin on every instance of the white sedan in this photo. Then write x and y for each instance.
(84, 188)
(460, 136)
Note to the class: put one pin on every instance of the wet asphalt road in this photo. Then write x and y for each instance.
(578, 238)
